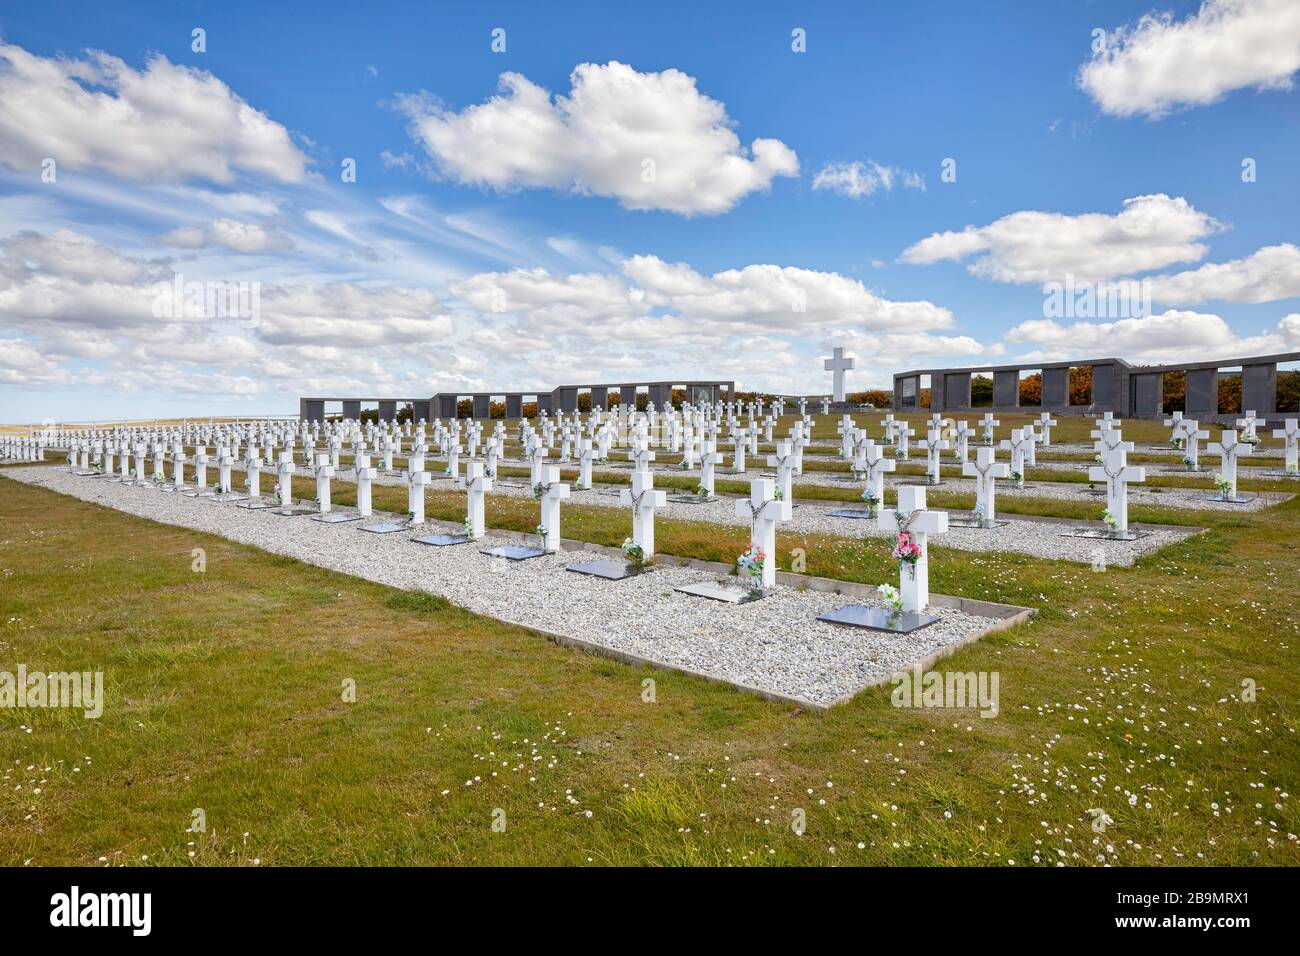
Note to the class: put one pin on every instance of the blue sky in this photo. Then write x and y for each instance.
(516, 243)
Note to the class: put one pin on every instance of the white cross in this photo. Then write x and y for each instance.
(1248, 425)
(365, 475)
(1290, 434)
(552, 494)
(739, 437)
(763, 511)
(934, 446)
(783, 461)
(903, 434)
(986, 469)
(200, 469)
(324, 471)
(872, 460)
(1117, 473)
(285, 474)
(1046, 422)
(708, 461)
(1192, 434)
(964, 434)
(253, 472)
(178, 466)
(1017, 445)
(1228, 448)
(537, 458)
(644, 499)
(416, 479)
(1175, 423)
(988, 423)
(476, 486)
(913, 519)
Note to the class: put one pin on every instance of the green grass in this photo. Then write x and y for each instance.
(224, 694)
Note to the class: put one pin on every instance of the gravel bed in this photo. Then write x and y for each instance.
(775, 645)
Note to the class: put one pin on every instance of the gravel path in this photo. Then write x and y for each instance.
(775, 645)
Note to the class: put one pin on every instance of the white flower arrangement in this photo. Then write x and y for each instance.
(1189, 463)
(701, 491)
(469, 527)
(1017, 479)
(978, 514)
(1110, 521)
(779, 495)
(889, 594)
(873, 503)
(1223, 484)
(540, 531)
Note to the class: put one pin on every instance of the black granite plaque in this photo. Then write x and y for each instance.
(879, 619)
(514, 552)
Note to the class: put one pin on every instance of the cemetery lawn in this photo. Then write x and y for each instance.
(223, 693)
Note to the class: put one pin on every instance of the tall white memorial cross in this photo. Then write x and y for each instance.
(325, 470)
(783, 461)
(934, 446)
(837, 365)
(644, 499)
(1291, 435)
(553, 492)
(913, 525)
(764, 510)
(986, 469)
(1118, 474)
(1228, 448)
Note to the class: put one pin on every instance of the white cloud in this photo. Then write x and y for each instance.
(1267, 274)
(166, 122)
(1162, 63)
(344, 314)
(231, 234)
(857, 179)
(1149, 233)
(1171, 336)
(650, 140)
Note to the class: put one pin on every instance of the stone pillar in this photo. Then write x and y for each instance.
(627, 396)
(352, 409)
(1056, 387)
(1006, 389)
(599, 397)
(388, 411)
(1202, 392)
(568, 399)
(1147, 394)
(482, 407)
(1259, 388)
(514, 406)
